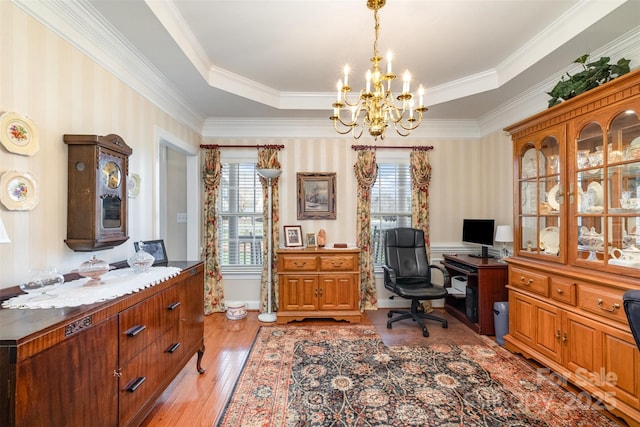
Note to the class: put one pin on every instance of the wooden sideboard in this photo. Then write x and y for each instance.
(318, 283)
(103, 364)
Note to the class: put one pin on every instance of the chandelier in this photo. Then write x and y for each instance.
(376, 108)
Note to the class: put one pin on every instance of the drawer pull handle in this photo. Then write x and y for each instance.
(173, 347)
(558, 334)
(613, 308)
(525, 283)
(564, 337)
(132, 332)
(174, 306)
(299, 264)
(337, 262)
(193, 272)
(560, 291)
(137, 383)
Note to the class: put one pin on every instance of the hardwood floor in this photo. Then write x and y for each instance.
(198, 400)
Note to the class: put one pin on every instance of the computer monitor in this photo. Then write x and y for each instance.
(479, 232)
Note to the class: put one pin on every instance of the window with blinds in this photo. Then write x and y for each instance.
(240, 221)
(390, 204)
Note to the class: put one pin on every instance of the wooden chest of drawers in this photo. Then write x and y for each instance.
(102, 364)
(318, 283)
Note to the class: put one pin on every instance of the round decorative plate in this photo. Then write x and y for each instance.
(18, 134)
(18, 191)
(133, 185)
(553, 197)
(550, 240)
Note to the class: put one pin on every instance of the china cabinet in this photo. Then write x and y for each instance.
(577, 241)
(318, 283)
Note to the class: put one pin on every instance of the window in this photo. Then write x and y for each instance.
(240, 221)
(390, 204)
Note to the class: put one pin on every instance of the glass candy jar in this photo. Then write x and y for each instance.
(93, 269)
(41, 282)
(141, 261)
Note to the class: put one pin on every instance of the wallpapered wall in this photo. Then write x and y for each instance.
(64, 91)
(470, 178)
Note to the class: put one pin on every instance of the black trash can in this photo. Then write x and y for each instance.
(501, 320)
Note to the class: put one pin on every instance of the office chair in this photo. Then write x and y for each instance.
(631, 302)
(407, 273)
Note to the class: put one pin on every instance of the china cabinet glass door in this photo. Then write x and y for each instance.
(606, 195)
(541, 196)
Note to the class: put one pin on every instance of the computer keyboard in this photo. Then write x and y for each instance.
(461, 266)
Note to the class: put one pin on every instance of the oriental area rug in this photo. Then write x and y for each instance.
(346, 376)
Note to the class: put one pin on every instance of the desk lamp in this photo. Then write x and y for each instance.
(504, 234)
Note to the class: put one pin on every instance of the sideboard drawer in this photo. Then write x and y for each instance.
(146, 321)
(338, 263)
(527, 280)
(602, 301)
(299, 263)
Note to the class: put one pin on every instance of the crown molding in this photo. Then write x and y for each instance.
(82, 26)
(239, 127)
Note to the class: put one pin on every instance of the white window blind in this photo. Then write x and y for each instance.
(390, 204)
(240, 221)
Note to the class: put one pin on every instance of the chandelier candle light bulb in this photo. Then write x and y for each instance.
(375, 108)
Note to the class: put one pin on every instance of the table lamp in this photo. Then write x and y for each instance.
(504, 234)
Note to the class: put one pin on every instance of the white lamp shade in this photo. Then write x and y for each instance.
(4, 237)
(504, 233)
(269, 173)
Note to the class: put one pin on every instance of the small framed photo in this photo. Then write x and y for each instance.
(293, 236)
(154, 248)
(311, 240)
(316, 195)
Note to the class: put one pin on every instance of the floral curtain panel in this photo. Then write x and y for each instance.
(420, 179)
(213, 287)
(268, 159)
(366, 170)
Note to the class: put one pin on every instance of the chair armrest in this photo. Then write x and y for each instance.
(389, 274)
(446, 279)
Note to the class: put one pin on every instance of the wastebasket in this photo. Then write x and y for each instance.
(501, 320)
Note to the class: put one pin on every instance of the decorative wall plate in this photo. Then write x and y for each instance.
(18, 134)
(550, 240)
(133, 185)
(18, 191)
(553, 197)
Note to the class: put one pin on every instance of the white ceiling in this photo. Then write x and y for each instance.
(257, 59)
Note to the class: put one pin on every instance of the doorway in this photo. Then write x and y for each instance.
(178, 197)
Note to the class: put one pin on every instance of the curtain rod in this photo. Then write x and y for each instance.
(275, 147)
(404, 147)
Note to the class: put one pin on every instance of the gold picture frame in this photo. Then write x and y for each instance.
(316, 195)
(293, 236)
(311, 240)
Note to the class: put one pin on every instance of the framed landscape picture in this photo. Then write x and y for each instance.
(316, 195)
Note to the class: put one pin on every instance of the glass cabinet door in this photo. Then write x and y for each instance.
(606, 195)
(541, 196)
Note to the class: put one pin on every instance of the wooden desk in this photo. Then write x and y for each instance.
(488, 277)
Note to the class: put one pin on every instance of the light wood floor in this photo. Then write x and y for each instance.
(198, 400)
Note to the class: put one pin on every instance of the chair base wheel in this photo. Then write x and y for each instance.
(388, 325)
(425, 333)
(389, 314)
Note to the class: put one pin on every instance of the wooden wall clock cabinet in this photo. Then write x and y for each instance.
(97, 191)
(102, 364)
(577, 241)
(318, 283)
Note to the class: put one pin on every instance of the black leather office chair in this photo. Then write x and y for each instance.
(407, 273)
(631, 302)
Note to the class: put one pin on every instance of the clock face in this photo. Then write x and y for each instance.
(111, 175)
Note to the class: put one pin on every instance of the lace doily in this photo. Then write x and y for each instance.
(74, 293)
